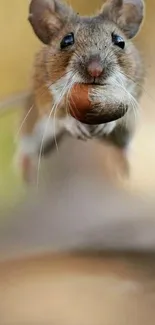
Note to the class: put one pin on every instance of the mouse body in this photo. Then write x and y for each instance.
(96, 51)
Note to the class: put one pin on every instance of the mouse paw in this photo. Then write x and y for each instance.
(28, 169)
(25, 165)
(77, 129)
(26, 157)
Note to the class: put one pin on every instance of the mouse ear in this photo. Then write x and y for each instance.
(127, 14)
(47, 18)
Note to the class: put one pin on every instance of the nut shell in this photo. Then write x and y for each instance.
(79, 103)
(81, 108)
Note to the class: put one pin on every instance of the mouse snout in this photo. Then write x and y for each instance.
(94, 69)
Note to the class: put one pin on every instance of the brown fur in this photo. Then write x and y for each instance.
(51, 21)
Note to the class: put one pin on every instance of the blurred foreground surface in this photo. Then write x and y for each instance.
(74, 290)
(75, 207)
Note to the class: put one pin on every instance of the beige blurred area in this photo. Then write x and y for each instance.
(17, 48)
(76, 288)
(79, 290)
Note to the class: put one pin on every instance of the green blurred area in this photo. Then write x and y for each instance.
(11, 186)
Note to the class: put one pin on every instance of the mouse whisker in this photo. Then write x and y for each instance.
(140, 86)
(23, 121)
(68, 84)
(42, 144)
(28, 113)
(133, 102)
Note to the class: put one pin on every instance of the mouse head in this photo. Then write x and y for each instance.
(88, 49)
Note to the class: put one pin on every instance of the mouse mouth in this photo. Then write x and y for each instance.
(94, 83)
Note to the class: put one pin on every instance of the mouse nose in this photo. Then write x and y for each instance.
(94, 69)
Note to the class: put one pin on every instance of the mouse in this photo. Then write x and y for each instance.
(96, 51)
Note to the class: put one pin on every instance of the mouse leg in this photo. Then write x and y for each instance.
(33, 147)
(120, 137)
(37, 135)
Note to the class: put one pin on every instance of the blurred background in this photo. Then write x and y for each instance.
(76, 209)
(18, 46)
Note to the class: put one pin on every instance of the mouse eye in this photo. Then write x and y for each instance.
(118, 41)
(67, 41)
